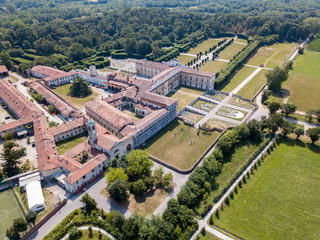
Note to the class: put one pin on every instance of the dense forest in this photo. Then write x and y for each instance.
(79, 33)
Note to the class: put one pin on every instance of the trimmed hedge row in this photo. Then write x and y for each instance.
(237, 62)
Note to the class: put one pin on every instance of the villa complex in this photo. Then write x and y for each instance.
(111, 132)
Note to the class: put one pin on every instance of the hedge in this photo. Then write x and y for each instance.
(242, 36)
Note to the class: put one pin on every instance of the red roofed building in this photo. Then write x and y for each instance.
(4, 71)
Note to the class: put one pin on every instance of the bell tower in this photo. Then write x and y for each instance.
(92, 132)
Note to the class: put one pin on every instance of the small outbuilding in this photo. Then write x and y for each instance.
(4, 71)
(35, 196)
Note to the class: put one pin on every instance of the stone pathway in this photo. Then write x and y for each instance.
(94, 229)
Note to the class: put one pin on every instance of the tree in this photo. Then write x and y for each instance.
(158, 175)
(5, 59)
(167, 179)
(139, 164)
(88, 202)
(299, 132)
(11, 163)
(80, 88)
(313, 133)
(275, 78)
(75, 234)
(31, 217)
(76, 52)
(37, 96)
(12, 234)
(118, 190)
(273, 107)
(52, 109)
(114, 174)
(138, 187)
(287, 128)
(288, 108)
(300, 50)
(8, 136)
(254, 127)
(20, 225)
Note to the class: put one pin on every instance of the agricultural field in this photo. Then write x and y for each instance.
(184, 59)
(308, 63)
(231, 50)
(9, 210)
(281, 199)
(254, 85)
(213, 66)
(238, 158)
(239, 77)
(314, 45)
(185, 96)
(179, 144)
(273, 55)
(204, 46)
(63, 91)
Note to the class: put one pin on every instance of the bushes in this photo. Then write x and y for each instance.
(119, 54)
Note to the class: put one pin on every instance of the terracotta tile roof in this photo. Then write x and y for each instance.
(151, 64)
(75, 151)
(68, 163)
(107, 141)
(86, 168)
(157, 99)
(66, 126)
(3, 69)
(64, 74)
(47, 71)
(20, 104)
(60, 104)
(121, 84)
(16, 123)
(197, 72)
(110, 114)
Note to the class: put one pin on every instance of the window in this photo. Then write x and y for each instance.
(84, 177)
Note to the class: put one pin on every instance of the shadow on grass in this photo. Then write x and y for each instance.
(297, 142)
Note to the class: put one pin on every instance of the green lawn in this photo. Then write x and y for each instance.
(213, 66)
(184, 59)
(238, 158)
(231, 50)
(314, 45)
(203, 105)
(207, 236)
(204, 46)
(239, 40)
(66, 145)
(239, 77)
(281, 200)
(172, 144)
(254, 85)
(63, 91)
(185, 96)
(273, 55)
(308, 63)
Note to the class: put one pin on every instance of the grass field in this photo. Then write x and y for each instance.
(213, 66)
(206, 236)
(239, 40)
(273, 55)
(63, 91)
(66, 145)
(236, 160)
(314, 45)
(254, 85)
(281, 200)
(172, 144)
(231, 50)
(184, 59)
(9, 210)
(239, 77)
(203, 105)
(308, 63)
(185, 96)
(204, 46)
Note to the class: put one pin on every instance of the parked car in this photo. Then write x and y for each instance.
(7, 117)
(33, 144)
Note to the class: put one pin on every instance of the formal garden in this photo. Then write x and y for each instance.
(279, 198)
(204, 105)
(189, 117)
(232, 113)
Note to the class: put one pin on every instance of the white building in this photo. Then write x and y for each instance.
(35, 196)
